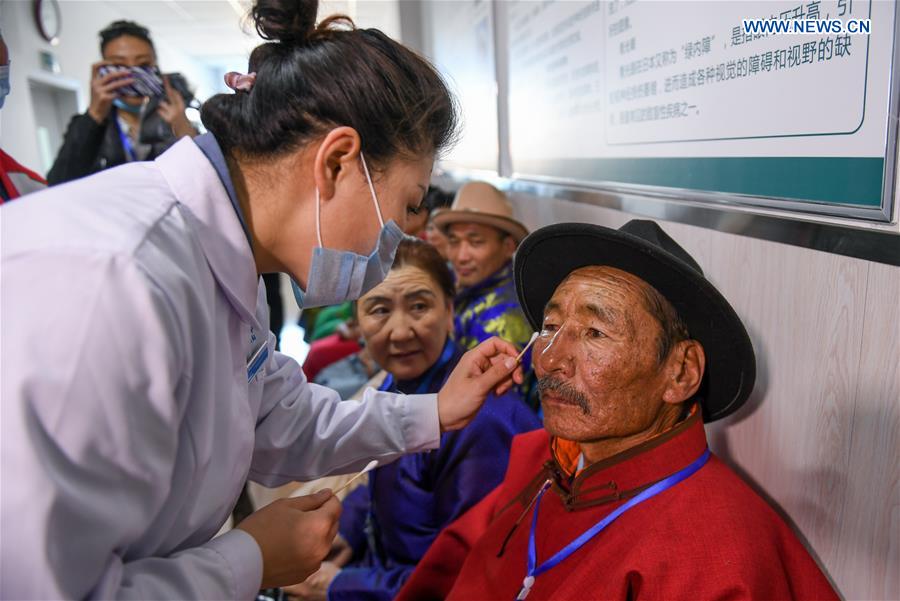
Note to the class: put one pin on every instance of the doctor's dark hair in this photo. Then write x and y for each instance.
(312, 78)
(117, 29)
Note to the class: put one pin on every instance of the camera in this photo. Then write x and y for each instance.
(148, 82)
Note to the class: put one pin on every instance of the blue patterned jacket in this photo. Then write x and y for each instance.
(491, 308)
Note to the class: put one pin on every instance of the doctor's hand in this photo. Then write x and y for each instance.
(489, 367)
(294, 535)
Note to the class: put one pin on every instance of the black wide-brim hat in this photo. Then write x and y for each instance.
(547, 256)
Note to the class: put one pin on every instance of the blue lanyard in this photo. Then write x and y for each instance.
(425, 386)
(536, 570)
(126, 141)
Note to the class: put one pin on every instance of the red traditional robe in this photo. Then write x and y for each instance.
(16, 180)
(708, 537)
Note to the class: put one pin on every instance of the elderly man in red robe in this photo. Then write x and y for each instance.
(618, 497)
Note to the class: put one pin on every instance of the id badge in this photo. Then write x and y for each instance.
(257, 359)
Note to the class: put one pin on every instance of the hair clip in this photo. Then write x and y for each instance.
(239, 81)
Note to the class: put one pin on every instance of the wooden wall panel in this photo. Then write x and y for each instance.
(868, 534)
(819, 437)
(804, 312)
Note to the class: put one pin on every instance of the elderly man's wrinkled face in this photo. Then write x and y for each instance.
(597, 358)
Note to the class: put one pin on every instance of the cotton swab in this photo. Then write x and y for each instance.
(372, 465)
(527, 346)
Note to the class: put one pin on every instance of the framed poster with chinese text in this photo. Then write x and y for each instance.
(680, 98)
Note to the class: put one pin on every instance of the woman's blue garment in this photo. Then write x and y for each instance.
(391, 522)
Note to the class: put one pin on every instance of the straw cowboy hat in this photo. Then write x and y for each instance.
(480, 202)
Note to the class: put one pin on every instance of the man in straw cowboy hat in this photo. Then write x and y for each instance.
(482, 239)
(618, 497)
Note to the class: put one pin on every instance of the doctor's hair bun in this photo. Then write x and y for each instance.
(288, 21)
(311, 79)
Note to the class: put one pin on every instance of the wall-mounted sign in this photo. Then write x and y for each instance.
(679, 96)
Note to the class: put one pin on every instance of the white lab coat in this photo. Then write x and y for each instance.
(129, 302)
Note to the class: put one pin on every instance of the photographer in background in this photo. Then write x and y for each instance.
(120, 126)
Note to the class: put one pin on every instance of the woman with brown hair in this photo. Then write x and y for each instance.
(135, 410)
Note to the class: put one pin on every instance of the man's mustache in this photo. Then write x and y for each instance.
(563, 391)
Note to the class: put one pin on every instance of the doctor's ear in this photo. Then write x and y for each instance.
(338, 154)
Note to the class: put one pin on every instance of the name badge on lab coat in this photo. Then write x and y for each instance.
(257, 357)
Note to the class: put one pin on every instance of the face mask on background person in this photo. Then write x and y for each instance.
(336, 276)
(4, 83)
(128, 108)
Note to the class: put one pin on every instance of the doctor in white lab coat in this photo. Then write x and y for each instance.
(140, 384)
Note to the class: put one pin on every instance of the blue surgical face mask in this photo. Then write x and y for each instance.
(128, 108)
(4, 84)
(336, 276)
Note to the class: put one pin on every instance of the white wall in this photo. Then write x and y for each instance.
(78, 49)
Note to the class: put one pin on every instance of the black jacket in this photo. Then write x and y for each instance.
(89, 147)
